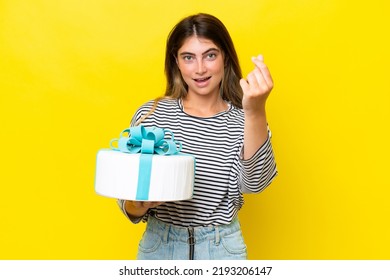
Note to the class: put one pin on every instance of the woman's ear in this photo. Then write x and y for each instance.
(177, 63)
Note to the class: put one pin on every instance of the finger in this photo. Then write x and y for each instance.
(148, 204)
(259, 62)
(140, 204)
(136, 203)
(244, 85)
(264, 71)
(253, 82)
(261, 82)
(152, 204)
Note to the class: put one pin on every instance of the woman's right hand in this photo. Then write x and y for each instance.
(139, 208)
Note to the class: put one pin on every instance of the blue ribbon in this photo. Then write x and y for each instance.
(147, 141)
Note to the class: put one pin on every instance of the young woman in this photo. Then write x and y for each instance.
(220, 118)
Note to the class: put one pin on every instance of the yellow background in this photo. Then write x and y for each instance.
(73, 72)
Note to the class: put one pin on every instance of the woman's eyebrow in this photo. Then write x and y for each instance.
(209, 50)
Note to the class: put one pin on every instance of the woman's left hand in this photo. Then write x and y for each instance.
(256, 87)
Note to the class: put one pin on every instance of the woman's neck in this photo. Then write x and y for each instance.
(204, 106)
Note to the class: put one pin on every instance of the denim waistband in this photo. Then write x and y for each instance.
(177, 233)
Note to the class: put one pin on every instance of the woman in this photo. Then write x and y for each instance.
(220, 118)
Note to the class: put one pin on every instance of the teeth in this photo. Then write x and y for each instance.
(202, 80)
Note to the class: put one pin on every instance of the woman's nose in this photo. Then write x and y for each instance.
(201, 66)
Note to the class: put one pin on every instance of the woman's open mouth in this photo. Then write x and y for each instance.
(202, 81)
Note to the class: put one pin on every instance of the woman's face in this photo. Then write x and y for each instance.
(201, 65)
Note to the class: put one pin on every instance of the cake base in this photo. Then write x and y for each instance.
(171, 177)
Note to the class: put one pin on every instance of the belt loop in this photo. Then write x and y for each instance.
(217, 238)
(166, 231)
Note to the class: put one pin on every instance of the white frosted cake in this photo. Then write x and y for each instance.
(167, 178)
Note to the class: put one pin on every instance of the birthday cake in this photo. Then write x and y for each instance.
(145, 167)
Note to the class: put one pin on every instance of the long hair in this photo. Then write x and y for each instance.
(208, 27)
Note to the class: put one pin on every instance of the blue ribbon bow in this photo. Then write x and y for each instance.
(147, 141)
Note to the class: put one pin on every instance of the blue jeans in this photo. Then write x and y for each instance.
(162, 241)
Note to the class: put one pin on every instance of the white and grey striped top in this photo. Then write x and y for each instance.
(221, 175)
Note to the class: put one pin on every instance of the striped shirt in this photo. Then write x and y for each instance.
(221, 176)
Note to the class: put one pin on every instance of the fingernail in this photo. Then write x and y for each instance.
(260, 56)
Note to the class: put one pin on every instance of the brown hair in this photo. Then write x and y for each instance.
(211, 28)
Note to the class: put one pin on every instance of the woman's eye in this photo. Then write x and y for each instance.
(211, 56)
(187, 57)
